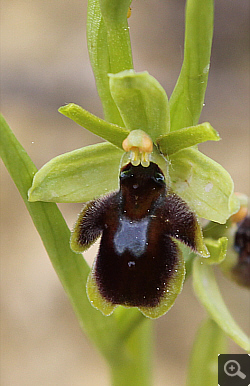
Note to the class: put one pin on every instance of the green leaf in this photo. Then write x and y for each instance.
(209, 342)
(204, 184)
(187, 99)
(78, 176)
(112, 133)
(126, 347)
(207, 291)
(186, 137)
(100, 60)
(142, 102)
(217, 250)
(70, 267)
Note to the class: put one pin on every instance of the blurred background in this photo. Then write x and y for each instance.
(45, 64)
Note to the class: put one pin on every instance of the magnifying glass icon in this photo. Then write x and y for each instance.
(232, 368)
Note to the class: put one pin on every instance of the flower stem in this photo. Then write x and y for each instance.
(136, 369)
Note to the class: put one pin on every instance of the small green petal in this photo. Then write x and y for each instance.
(112, 133)
(186, 137)
(217, 250)
(204, 184)
(142, 102)
(206, 289)
(209, 342)
(78, 176)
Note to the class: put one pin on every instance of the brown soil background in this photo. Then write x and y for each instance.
(44, 64)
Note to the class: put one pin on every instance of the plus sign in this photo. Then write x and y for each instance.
(231, 368)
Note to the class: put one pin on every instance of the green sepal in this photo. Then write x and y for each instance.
(204, 184)
(207, 291)
(142, 102)
(217, 250)
(78, 176)
(210, 341)
(112, 133)
(187, 99)
(186, 137)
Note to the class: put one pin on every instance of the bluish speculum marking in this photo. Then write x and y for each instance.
(131, 236)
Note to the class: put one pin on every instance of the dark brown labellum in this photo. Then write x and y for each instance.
(139, 263)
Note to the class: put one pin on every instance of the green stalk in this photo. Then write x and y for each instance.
(123, 338)
(210, 341)
(70, 267)
(136, 369)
